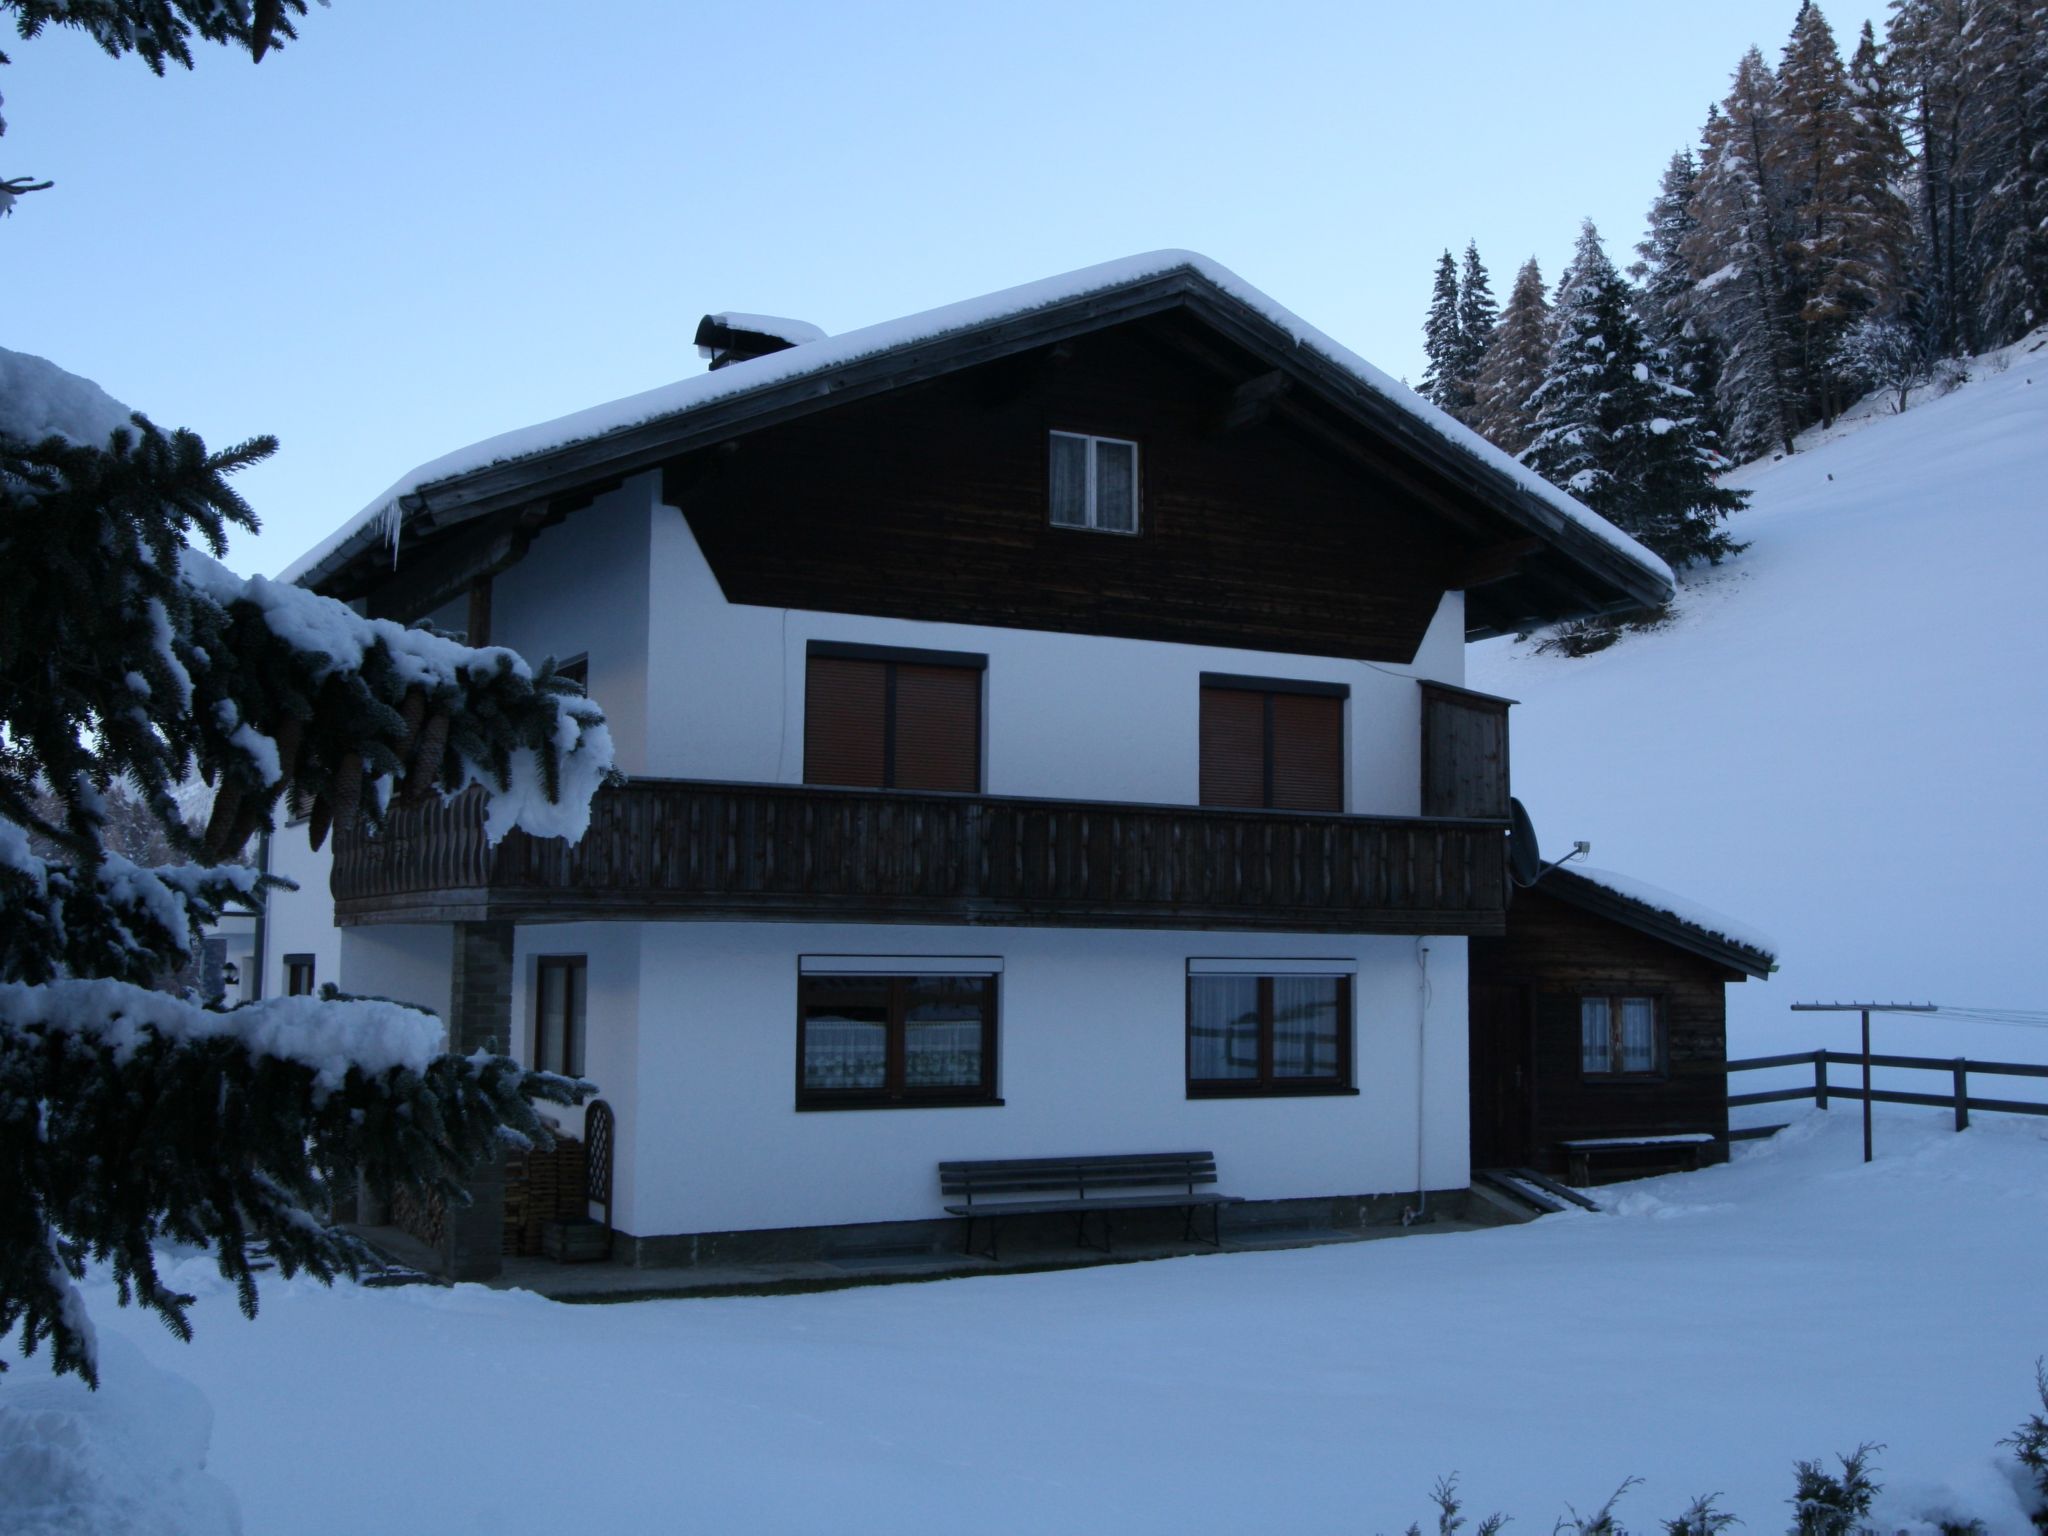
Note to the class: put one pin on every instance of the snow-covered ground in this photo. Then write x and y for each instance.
(1702, 1335)
(1843, 736)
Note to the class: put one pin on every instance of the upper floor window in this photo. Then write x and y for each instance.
(1094, 483)
(1620, 1036)
(576, 672)
(880, 718)
(1272, 744)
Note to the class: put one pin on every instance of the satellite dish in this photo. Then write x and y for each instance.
(1525, 859)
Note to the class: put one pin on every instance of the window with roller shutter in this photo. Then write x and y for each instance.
(1272, 744)
(883, 718)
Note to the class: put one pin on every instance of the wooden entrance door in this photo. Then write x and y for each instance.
(1503, 1082)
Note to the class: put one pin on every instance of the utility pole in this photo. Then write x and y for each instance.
(1866, 1009)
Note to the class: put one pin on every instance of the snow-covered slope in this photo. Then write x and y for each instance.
(1842, 738)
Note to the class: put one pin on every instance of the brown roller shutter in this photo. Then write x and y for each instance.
(938, 728)
(1233, 747)
(1308, 752)
(845, 710)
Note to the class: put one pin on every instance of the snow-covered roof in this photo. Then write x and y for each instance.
(381, 519)
(1703, 921)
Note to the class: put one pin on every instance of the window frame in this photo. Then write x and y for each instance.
(1093, 524)
(1271, 688)
(1267, 1085)
(293, 964)
(575, 1030)
(894, 1093)
(890, 657)
(1660, 1034)
(576, 669)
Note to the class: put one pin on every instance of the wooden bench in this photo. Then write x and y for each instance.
(1082, 1187)
(1678, 1153)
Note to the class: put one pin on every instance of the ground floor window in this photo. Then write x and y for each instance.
(298, 975)
(1251, 1034)
(560, 990)
(1620, 1036)
(875, 1040)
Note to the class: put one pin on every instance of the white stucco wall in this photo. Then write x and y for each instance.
(1067, 716)
(1091, 1042)
(301, 922)
(582, 590)
(408, 962)
(612, 1016)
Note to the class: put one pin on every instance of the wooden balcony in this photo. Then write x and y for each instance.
(681, 849)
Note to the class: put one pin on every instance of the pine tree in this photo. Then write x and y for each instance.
(1515, 364)
(2003, 164)
(1477, 316)
(1441, 340)
(1740, 291)
(129, 1116)
(1664, 288)
(1614, 431)
(1924, 39)
(1818, 164)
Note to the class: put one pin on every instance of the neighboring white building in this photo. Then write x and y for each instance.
(1045, 737)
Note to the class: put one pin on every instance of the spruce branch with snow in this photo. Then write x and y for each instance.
(127, 656)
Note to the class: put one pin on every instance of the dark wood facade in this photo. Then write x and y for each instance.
(931, 502)
(1529, 1092)
(677, 849)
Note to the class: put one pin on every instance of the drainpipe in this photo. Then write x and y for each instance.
(1419, 1211)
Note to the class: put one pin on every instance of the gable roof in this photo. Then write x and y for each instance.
(623, 436)
(1661, 915)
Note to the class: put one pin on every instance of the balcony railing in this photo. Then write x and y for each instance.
(670, 848)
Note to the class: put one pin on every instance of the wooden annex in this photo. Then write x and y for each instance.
(1538, 1086)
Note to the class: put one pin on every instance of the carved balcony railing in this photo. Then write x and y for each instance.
(671, 848)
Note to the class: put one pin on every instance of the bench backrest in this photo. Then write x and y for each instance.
(1076, 1176)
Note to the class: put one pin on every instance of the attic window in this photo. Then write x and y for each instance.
(1094, 483)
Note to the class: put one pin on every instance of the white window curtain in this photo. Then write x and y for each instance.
(1596, 1035)
(1069, 480)
(1116, 485)
(1223, 1028)
(1638, 1034)
(1304, 1026)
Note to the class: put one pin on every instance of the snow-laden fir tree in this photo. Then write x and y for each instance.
(1834, 206)
(1477, 316)
(1924, 44)
(2003, 164)
(129, 1117)
(1614, 430)
(1664, 287)
(1441, 341)
(1736, 254)
(1515, 363)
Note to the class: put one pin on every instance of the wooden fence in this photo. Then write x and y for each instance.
(1820, 1090)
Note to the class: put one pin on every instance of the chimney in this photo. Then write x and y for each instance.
(730, 337)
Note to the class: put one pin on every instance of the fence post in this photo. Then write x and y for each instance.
(1962, 1094)
(1820, 1078)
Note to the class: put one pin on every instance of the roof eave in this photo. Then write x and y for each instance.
(1592, 897)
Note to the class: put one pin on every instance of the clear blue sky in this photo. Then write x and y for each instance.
(428, 222)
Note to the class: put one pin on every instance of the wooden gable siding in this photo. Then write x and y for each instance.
(931, 502)
(1553, 954)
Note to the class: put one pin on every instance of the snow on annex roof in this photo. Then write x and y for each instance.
(382, 518)
(1688, 914)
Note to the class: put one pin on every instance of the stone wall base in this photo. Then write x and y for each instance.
(1252, 1220)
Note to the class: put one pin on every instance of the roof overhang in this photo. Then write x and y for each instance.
(1600, 901)
(1544, 558)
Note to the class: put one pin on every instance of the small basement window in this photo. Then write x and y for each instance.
(1094, 483)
